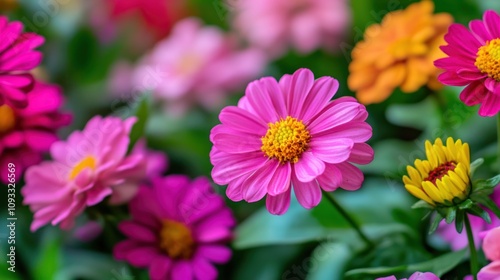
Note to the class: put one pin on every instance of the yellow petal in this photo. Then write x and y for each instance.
(432, 192)
(419, 193)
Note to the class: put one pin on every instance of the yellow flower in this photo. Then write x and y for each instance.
(444, 176)
(399, 52)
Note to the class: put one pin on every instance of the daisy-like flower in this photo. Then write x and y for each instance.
(196, 63)
(288, 134)
(178, 230)
(444, 177)
(17, 55)
(399, 52)
(90, 166)
(474, 61)
(305, 25)
(27, 133)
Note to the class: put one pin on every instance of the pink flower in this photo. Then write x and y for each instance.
(303, 24)
(289, 134)
(156, 162)
(178, 230)
(16, 57)
(491, 248)
(473, 62)
(459, 241)
(196, 63)
(414, 276)
(91, 165)
(25, 134)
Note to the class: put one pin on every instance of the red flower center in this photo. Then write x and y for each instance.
(440, 171)
(176, 240)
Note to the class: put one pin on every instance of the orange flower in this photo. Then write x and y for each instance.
(399, 52)
(7, 5)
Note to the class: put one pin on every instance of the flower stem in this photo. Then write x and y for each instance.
(472, 248)
(348, 218)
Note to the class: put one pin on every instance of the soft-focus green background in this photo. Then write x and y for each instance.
(318, 243)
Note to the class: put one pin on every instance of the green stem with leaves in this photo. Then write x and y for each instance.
(349, 219)
(474, 267)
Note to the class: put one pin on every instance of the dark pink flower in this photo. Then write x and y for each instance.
(414, 276)
(17, 56)
(178, 230)
(288, 134)
(90, 166)
(25, 134)
(473, 61)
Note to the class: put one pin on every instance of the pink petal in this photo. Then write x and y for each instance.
(266, 99)
(255, 186)
(452, 79)
(160, 268)
(309, 167)
(239, 119)
(471, 75)
(235, 165)
(182, 270)
(214, 253)
(337, 115)
(308, 194)
(279, 204)
(280, 182)
(137, 232)
(330, 149)
(492, 22)
(352, 177)
(142, 256)
(490, 272)
(322, 91)
(331, 179)
(479, 31)
(490, 105)
(237, 143)
(301, 83)
(361, 153)
(356, 131)
(204, 270)
(474, 93)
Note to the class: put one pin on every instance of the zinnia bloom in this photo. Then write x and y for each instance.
(473, 61)
(288, 134)
(414, 276)
(90, 166)
(17, 55)
(196, 63)
(399, 52)
(25, 134)
(491, 248)
(178, 230)
(305, 25)
(459, 241)
(444, 177)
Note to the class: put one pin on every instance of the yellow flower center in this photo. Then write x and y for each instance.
(488, 59)
(7, 119)
(286, 140)
(87, 162)
(176, 240)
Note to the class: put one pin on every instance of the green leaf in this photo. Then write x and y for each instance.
(422, 204)
(49, 260)
(475, 164)
(438, 266)
(480, 212)
(488, 184)
(80, 264)
(331, 260)
(466, 204)
(490, 204)
(459, 221)
(451, 214)
(142, 114)
(435, 222)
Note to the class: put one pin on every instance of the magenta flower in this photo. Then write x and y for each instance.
(473, 62)
(414, 276)
(288, 134)
(305, 25)
(17, 55)
(90, 166)
(459, 241)
(491, 248)
(25, 134)
(178, 230)
(196, 63)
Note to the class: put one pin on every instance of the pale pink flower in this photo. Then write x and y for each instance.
(305, 25)
(414, 276)
(196, 63)
(491, 248)
(90, 166)
(288, 134)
